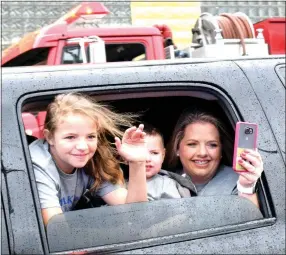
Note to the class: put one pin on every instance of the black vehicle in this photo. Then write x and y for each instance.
(245, 89)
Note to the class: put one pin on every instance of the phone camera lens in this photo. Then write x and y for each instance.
(248, 130)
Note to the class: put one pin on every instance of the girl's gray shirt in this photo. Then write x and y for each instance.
(56, 188)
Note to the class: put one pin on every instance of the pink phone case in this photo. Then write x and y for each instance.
(245, 138)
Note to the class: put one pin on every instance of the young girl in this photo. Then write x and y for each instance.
(76, 155)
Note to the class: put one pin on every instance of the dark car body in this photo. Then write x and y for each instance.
(246, 89)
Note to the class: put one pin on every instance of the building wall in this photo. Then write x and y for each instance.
(179, 16)
(255, 10)
(21, 17)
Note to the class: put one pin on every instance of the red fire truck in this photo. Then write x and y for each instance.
(64, 43)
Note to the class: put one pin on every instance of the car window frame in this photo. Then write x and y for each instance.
(231, 112)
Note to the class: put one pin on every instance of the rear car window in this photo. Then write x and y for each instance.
(101, 228)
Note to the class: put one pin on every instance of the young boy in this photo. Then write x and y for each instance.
(160, 183)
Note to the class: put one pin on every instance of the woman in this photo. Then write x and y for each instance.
(200, 143)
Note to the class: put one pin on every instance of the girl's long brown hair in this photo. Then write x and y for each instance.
(104, 166)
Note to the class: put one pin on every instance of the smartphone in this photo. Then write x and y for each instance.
(245, 138)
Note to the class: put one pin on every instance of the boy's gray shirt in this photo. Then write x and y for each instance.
(162, 186)
(56, 188)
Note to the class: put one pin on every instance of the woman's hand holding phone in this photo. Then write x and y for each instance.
(247, 161)
(252, 162)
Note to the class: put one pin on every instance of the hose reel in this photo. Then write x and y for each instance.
(231, 26)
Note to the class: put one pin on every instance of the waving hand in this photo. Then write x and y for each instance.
(133, 145)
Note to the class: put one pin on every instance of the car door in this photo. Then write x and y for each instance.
(5, 249)
(196, 225)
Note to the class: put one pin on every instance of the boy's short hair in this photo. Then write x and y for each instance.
(152, 131)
